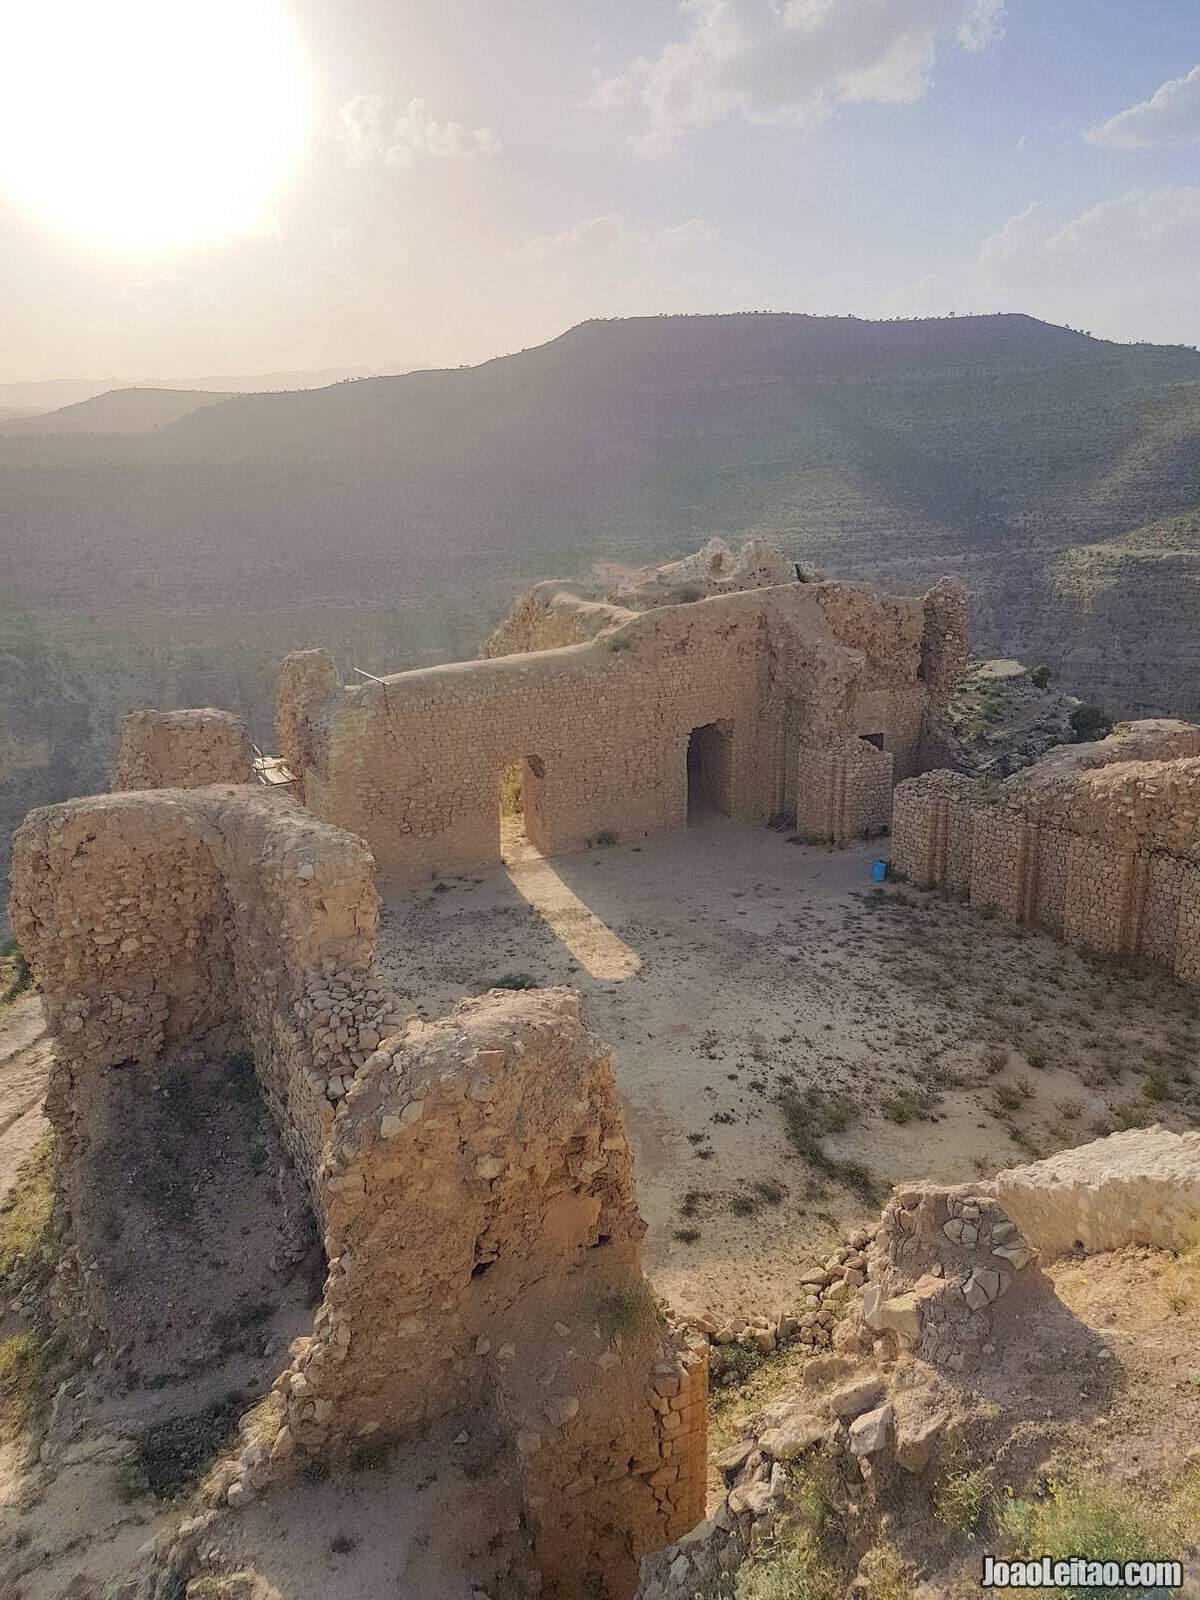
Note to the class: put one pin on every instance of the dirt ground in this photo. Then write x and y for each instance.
(731, 970)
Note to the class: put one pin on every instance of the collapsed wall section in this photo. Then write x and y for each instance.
(485, 1250)
(183, 750)
(470, 1178)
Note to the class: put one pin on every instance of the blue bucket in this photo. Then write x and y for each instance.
(878, 871)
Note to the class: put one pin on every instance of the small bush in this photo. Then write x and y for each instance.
(1039, 677)
(514, 980)
(1090, 722)
(962, 1500)
(607, 839)
(686, 1235)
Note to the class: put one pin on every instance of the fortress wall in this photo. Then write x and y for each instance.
(1053, 862)
(931, 830)
(844, 791)
(1092, 869)
(413, 762)
(471, 1177)
(183, 750)
(167, 922)
(1160, 916)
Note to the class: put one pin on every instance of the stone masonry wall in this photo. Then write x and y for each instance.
(1107, 855)
(844, 791)
(485, 1250)
(412, 763)
(471, 1177)
(183, 750)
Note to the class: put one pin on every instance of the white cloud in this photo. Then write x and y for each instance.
(610, 236)
(792, 62)
(1123, 269)
(366, 139)
(1171, 116)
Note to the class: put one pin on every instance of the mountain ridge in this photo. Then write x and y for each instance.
(394, 519)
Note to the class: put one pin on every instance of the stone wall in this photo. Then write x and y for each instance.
(183, 750)
(844, 791)
(1106, 854)
(413, 763)
(471, 1178)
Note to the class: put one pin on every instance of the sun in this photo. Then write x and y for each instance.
(143, 127)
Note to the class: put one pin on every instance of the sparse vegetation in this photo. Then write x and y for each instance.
(15, 976)
(1081, 1514)
(962, 1499)
(29, 1237)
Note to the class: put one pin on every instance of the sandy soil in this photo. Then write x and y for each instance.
(728, 968)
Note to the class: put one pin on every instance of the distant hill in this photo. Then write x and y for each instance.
(395, 518)
(118, 411)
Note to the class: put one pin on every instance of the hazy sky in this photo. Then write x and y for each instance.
(451, 179)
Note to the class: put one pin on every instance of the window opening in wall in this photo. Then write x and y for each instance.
(709, 771)
(872, 738)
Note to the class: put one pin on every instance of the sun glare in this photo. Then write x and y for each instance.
(151, 126)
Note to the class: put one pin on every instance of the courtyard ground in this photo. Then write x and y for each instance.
(789, 1041)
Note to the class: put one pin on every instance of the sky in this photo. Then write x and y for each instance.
(219, 186)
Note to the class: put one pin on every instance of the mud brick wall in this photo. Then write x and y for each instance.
(183, 750)
(413, 763)
(844, 791)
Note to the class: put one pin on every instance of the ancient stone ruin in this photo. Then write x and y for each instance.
(183, 750)
(955, 1344)
(1099, 843)
(749, 704)
(470, 1178)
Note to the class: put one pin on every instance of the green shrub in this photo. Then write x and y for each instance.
(963, 1501)
(1083, 1515)
(1039, 677)
(514, 980)
(1090, 722)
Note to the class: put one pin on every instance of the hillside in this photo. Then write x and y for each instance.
(117, 411)
(396, 518)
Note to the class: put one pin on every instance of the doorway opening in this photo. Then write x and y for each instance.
(520, 809)
(710, 771)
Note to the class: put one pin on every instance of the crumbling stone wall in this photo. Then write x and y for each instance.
(844, 791)
(551, 615)
(183, 750)
(470, 1178)
(1104, 853)
(412, 763)
(485, 1251)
